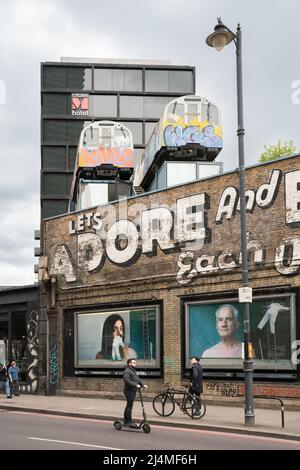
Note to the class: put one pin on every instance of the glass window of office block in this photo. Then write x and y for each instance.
(103, 106)
(157, 81)
(137, 155)
(205, 170)
(180, 81)
(155, 105)
(169, 81)
(133, 80)
(180, 173)
(54, 158)
(79, 78)
(55, 183)
(54, 77)
(50, 208)
(56, 104)
(103, 79)
(76, 78)
(149, 126)
(137, 131)
(55, 131)
(118, 80)
(131, 106)
(72, 152)
(74, 129)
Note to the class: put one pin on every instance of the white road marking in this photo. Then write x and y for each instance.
(73, 443)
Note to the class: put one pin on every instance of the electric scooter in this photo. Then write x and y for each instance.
(118, 425)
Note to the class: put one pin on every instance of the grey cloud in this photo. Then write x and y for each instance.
(35, 31)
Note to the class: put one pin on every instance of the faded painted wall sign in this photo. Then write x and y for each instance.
(198, 232)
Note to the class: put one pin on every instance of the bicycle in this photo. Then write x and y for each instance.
(164, 403)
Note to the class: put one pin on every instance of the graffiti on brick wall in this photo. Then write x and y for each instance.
(53, 379)
(223, 389)
(32, 348)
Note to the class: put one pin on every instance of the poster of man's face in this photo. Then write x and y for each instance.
(215, 330)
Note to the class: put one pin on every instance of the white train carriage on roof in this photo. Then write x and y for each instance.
(104, 165)
(189, 129)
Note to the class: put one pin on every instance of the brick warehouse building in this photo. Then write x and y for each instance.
(161, 264)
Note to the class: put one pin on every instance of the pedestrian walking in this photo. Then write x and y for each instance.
(4, 379)
(196, 383)
(13, 373)
(132, 383)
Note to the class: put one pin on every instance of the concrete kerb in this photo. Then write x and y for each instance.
(161, 422)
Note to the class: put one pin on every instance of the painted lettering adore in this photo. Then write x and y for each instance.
(188, 228)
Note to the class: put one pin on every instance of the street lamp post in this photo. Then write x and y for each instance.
(219, 39)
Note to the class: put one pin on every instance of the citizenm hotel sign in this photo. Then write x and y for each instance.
(184, 234)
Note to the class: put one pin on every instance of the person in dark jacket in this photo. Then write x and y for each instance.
(196, 384)
(132, 383)
(4, 379)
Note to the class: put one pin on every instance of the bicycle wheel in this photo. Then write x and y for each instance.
(163, 405)
(189, 405)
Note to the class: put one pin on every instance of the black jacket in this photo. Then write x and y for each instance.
(131, 378)
(196, 378)
(3, 373)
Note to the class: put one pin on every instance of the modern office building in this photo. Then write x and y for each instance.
(75, 92)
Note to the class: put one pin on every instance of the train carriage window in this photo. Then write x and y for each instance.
(122, 138)
(204, 112)
(106, 137)
(213, 114)
(192, 112)
(175, 110)
(91, 137)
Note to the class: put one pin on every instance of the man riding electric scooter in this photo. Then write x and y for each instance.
(132, 383)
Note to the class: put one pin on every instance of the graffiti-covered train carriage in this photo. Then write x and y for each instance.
(189, 129)
(104, 165)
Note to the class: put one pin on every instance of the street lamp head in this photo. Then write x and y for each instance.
(220, 37)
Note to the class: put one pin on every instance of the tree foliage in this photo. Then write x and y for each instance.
(281, 149)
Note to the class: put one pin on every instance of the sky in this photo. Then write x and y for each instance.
(34, 31)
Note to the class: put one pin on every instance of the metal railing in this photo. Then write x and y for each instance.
(274, 398)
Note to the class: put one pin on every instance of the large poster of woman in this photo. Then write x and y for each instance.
(110, 338)
(215, 331)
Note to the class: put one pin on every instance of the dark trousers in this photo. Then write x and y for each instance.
(14, 387)
(130, 397)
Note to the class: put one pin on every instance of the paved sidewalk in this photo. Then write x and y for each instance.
(218, 418)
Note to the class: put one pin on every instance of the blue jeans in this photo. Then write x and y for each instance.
(7, 387)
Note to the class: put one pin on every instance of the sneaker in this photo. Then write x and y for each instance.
(9, 396)
(17, 394)
(133, 425)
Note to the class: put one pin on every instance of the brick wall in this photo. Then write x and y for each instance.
(154, 276)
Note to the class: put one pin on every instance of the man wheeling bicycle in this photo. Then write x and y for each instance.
(196, 383)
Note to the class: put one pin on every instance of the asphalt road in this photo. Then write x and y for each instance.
(32, 431)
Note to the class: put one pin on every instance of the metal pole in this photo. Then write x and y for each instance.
(248, 363)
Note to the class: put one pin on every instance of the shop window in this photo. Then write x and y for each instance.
(108, 339)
